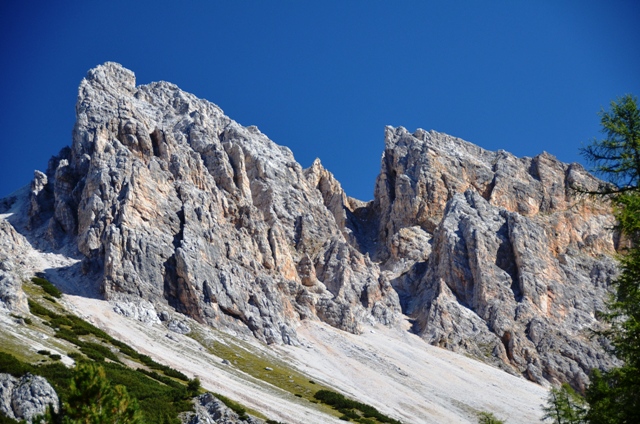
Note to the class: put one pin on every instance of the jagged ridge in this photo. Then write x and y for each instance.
(170, 201)
(495, 255)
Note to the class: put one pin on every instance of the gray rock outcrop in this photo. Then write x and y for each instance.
(26, 397)
(211, 410)
(12, 298)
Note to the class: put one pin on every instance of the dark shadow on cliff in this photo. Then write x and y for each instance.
(363, 222)
(406, 285)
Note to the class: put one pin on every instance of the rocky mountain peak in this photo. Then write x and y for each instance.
(167, 203)
(169, 200)
(111, 76)
(483, 247)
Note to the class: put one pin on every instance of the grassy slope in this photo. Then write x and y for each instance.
(159, 389)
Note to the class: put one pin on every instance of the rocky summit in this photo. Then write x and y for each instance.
(494, 255)
(165, 204)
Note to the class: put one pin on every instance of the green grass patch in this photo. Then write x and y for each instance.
(15, 346)
(161, 378)
(351, 409)
(9, 364)
(73, 329)
(48, 288)
(279, 374)
(98, 352)
(159, 401)
(40, 310)
(168, 371)
(245, 358)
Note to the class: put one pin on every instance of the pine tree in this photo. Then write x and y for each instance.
(92, 400)
(614, 395)
(564, 406)
(193, 387)
(488, 418)
(617, 157)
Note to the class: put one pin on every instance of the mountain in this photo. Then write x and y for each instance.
(166, 208)
(494, 255)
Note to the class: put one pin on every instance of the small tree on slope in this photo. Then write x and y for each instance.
(92, 400)
(614, 396)
(564, 406)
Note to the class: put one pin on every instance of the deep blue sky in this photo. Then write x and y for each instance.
(325, 77)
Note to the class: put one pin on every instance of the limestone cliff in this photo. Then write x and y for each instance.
(12, 257)
(495, 255)
(168, 203)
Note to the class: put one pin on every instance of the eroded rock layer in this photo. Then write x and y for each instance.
(172, 202)
(495, 255)
(169, 202)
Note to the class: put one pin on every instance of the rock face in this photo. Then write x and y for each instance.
(12, 298)
(172, 204)
(211, 410)
(26, 397)
(494, 255)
